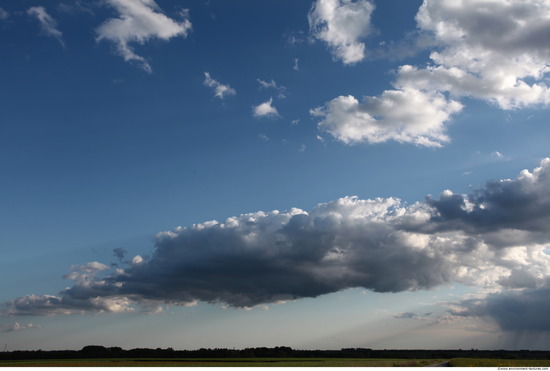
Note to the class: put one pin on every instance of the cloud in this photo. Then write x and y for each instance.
(139, 22)
(296, 66)
(4, 14)
(120, 252)
(520, 206)
(49, 305)
(492, 50)
(495, 51)
(47, 23)
(265, 109)
(493, 238)
(17, 326)
(406, 315)
(341, 24)
(75, 7)
(406, 116)
(220, 90)
(514, 311)
(273, 85)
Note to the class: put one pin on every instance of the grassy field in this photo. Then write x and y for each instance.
(221, 362)
(487, 362)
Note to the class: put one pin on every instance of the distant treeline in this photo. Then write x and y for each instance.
(98, 351)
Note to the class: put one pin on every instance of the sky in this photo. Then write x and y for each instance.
(316, 174)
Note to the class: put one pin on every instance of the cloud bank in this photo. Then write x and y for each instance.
(494, 237)
(139, 21)
(496, 51)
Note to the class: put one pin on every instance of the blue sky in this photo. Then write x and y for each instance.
(316, 174)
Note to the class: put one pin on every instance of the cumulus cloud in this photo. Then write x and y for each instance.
(17, 326)
(265, 109)
(495, 51)
(341, 24)
(220, 90)
(494, 238)
(140, 21)
(47, 23)
(406, 116)
(488, 49)
(520, 206)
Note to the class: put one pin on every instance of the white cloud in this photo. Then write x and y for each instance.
(492, 50)
(220, 90)
(406, 116)
(139, 22)
(296, 66)
(84, 274)
(495, 50)
(265, 109)
(137, 260)
(47, 23)
(342, 24)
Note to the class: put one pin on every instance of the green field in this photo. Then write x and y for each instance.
(488, 362)
(220, 362)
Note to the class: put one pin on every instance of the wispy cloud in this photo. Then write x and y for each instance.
(140, 21)
(4, 14)
(273, 85)
(296, 65)
(220, 90)
(47, 23)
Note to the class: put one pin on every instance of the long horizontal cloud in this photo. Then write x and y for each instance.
(16, 326)
(493, 237)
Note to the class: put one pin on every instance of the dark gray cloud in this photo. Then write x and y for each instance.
(521, 204)
(380, 245)
(406, 315)
(120, 253)
(515, 311)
